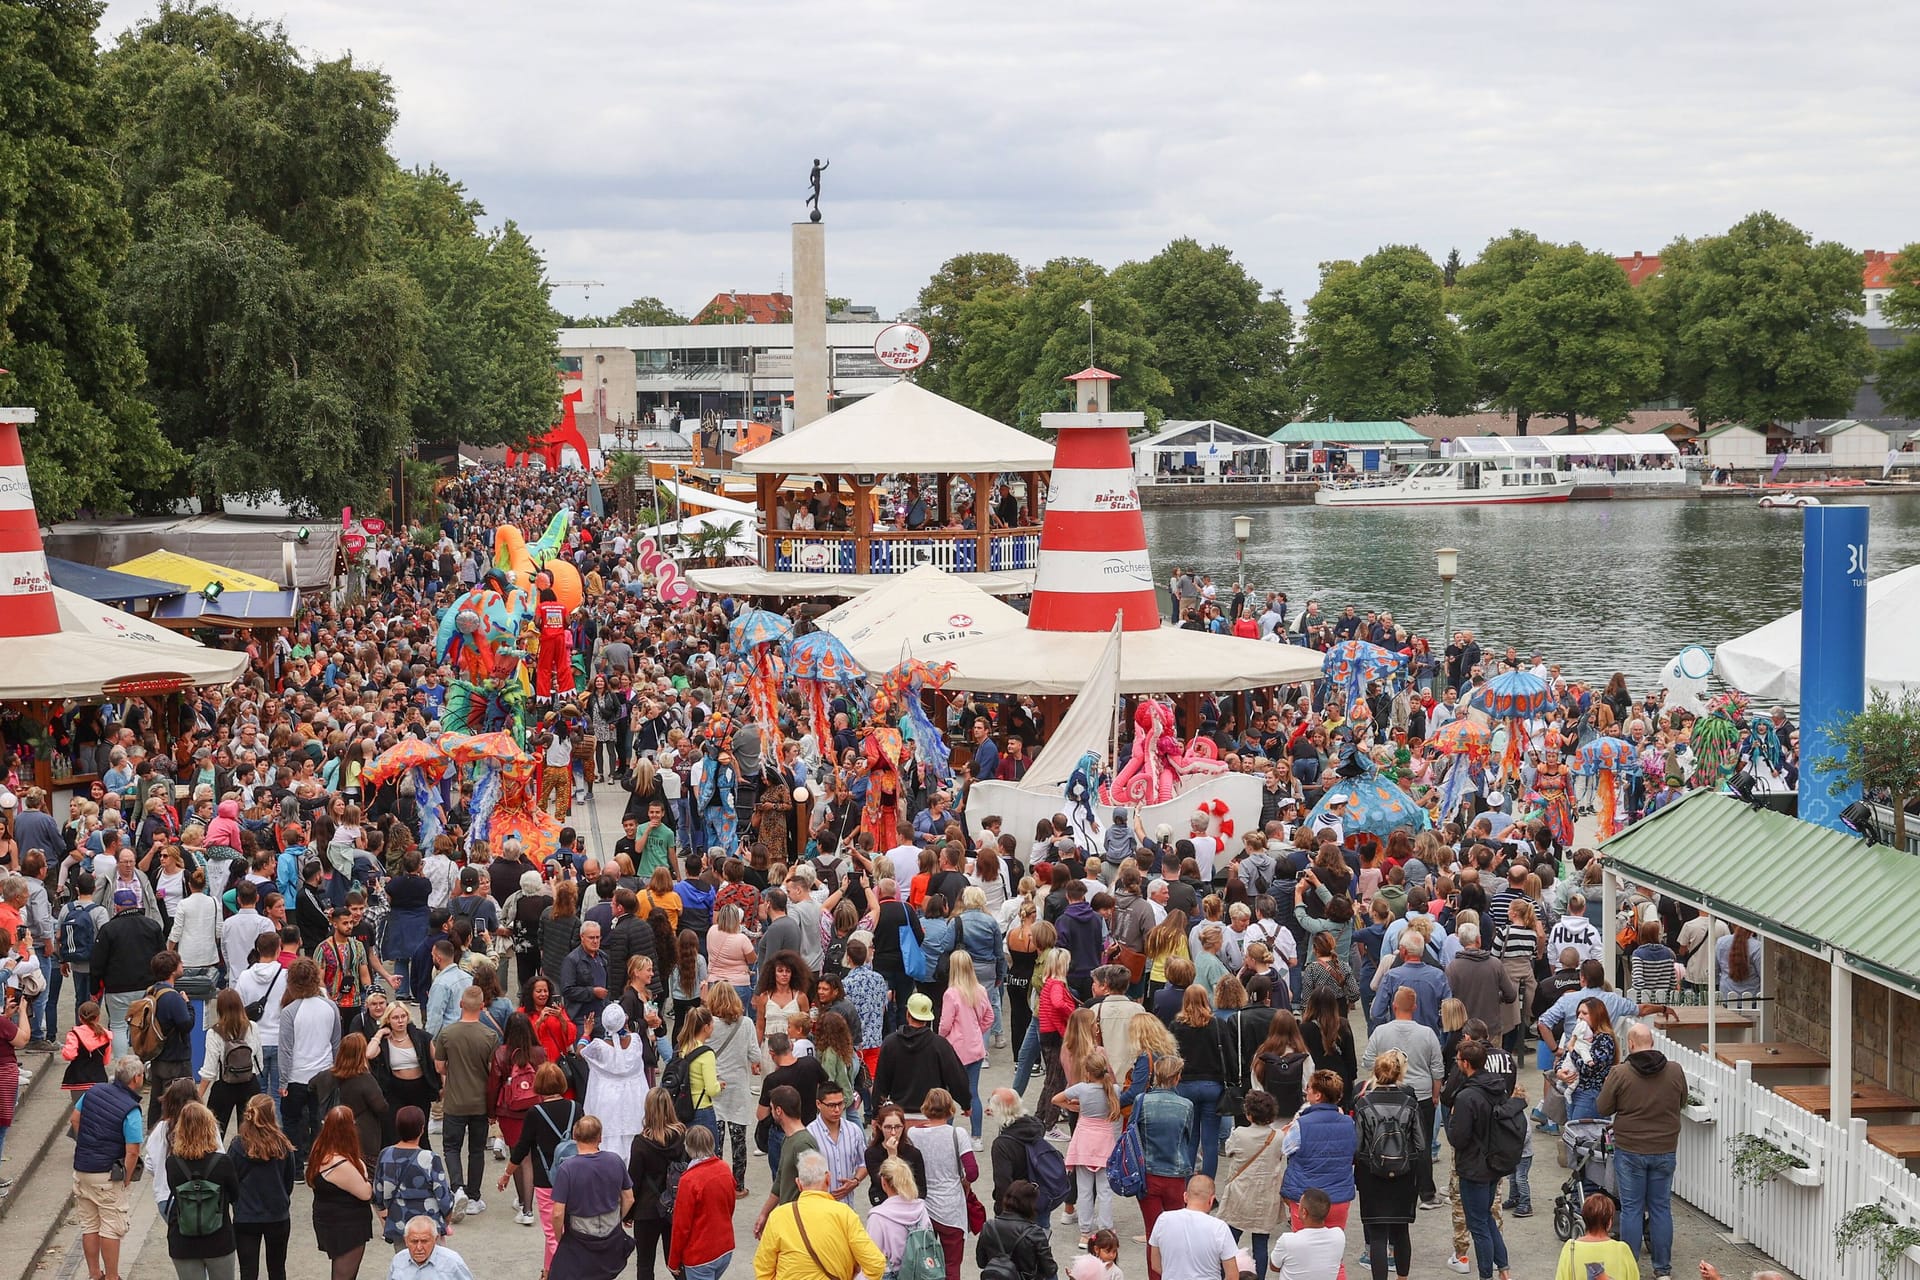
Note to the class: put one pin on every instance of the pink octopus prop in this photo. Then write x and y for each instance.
(1158, 764)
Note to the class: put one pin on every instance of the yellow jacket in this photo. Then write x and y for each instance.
(836, 1233)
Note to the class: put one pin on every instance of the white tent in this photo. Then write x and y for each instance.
(914, 610)
(1168, 660)
(100, 649)
(1766, 662)
(904, 428)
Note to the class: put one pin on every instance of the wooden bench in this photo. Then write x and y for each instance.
(1901, 1141)
(1867, 1099)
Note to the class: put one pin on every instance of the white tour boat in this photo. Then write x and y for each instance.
(1455, 481)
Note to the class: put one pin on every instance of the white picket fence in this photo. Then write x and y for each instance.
(1792, 1217)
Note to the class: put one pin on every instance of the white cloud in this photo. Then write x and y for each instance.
(664, 148)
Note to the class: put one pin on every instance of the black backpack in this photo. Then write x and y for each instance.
(1389, 1122)
(677, 1080)
(1507, 1136)
(1284, 1076)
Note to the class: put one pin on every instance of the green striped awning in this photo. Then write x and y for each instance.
(1344, 433)
(1821, 889)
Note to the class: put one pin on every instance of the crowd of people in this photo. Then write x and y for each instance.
(1254, 1042)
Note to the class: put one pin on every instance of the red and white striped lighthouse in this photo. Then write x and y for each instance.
(1093, 544)
(26, 588)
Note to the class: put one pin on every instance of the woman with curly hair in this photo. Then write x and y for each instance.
(785, 984)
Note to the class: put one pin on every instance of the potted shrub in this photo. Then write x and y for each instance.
(1758, 1160)
(1698, 1108)
(1887, 1236)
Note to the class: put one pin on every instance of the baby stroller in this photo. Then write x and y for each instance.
(1586, 1148)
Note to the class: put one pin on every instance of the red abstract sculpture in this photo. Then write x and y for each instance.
(563, 435)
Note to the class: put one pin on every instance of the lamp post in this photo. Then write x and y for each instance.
(1447, 561)
(1242, 530)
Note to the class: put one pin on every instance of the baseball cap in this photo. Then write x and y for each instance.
(919, 1008)
(124, 898)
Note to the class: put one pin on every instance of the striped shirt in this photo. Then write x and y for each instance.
(846, 1155)
(1517, 940)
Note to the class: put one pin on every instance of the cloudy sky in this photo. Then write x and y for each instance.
(663, 147)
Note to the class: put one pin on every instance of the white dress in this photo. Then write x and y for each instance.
(777, 1014)
(617, 1087)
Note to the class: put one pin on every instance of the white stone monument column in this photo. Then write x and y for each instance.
(811, 375)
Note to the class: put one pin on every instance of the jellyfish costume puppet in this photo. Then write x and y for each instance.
(489, 759)
(820, 666)
(906, 686)
(1350, 665)
(1515, 697)
(1607, 760)
(425, 761)
(757, 639)
(1469, 743)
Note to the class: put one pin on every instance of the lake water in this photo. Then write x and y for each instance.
(1597, 586)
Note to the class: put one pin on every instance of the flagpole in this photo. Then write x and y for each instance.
(1119, 699)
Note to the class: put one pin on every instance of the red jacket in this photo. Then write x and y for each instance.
(1056, 1006)
(702, 1215)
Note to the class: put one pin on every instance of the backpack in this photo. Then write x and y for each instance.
(1284, 1076)
(1389, 1132)
(144, 1036)
(237, 1064)
(1257, 869)
(922, 1258)
(1047, 1171)
(517, 1094)
(677, 1080)
(1127, 1166)
(913, 957)
(77, 933)
(1507, 1135)
(670, 1186)
(565, 1149)
(1000, 1268)
(199, 1208)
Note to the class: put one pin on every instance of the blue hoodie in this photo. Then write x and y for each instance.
(286, 872)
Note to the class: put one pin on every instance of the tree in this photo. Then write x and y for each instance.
(488, 344)
(641, 311)
(281, 349)
(1899, 380)
(1759, 323)
(1557, 330)
(1450, 269)
(1221, 344)
(63, 236)
(1880, 754)
(1023, 341)
(1479, 298)
(1378, 343)
(959, 280)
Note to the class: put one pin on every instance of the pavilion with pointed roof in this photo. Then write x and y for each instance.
(943, 453)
